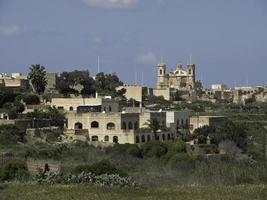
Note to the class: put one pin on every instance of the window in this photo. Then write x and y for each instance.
(187, 123)
(94, 138)
(190, 71)
(94, 124)
(143, 139)
(109, 108)
(78, 126)
(115, 139)
(182, 122)
(124, 125)
(160, 71)
(137, 139)
(60, 108)
(148, 138)
(106, 139)
(130, 125)
(169, 136)
(136, 126)
(163, 137)
(71, 108)
(110, 126)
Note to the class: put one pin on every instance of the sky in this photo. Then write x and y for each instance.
(227, 39)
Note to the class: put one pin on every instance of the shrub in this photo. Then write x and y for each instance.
(10, 134)
(53, 135)
(14, 169)
(131, 149)
(179, 146)
(154, 149)
(98, 168)
(106, 180)
(31, 99)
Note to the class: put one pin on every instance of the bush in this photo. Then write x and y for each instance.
(131, 149)
(10, 134)
(53, 135)
(99, 168)
(14, 169)
(107, 180)
(31, 99)
(154, 149)
(179, 146)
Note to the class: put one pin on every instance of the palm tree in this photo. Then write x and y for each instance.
(154, 126)
(37, 77)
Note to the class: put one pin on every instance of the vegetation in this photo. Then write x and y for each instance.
(37, 76)
(87, 192)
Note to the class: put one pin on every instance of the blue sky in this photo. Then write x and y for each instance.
(227, 38)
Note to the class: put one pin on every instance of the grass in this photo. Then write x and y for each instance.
(13, 191)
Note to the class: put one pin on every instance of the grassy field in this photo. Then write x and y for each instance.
(82, 192)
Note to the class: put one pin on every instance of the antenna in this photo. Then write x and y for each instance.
(247, 81)
(190, 61)
(98, 64)
(142, 79)
(135, 78)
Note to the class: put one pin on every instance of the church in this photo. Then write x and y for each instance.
(181, 80)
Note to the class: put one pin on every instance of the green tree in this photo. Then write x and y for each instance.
(37, 76)
(68, 83)
(106, 84)
(154, 126)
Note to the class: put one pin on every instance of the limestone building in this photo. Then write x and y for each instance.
(179, 79)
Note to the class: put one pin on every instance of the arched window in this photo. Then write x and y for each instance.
(94, 124)
(137, 139)
(71, 108)
(187, 123)
(124, 125)
(169, 136)
(148, 138)
(78, 126)
(143, 139)
(163, 137)
(106, 139)
(115, 139)
(109, 108)
(178, 122)
(94, 138)
(136, 126)
(182, 122)
(110, 126)
(160, 71)
(190, 71)
(130, 125)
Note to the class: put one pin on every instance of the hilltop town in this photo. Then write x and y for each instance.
(72, 124)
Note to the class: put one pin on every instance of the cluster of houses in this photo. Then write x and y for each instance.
(103, 119)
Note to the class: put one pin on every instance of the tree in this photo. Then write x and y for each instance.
(154, 126)
(69, 82)
(37, 76)
(106, 84)
(202, 133)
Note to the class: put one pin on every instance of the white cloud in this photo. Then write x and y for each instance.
(9, 30)
(147, 58)
(119, 4)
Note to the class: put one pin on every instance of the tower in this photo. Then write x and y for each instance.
(191, 70)
(161, 73)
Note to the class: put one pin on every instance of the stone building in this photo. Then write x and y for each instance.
(200, 121)
(84, 105)
(15, 81)
(180, 79)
